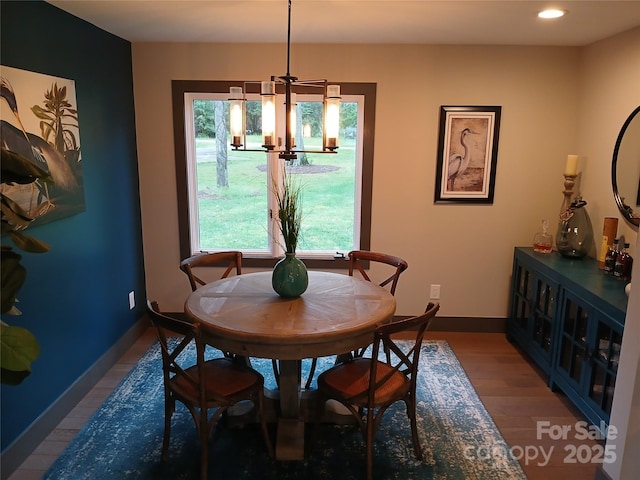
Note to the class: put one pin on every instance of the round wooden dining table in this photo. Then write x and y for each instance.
(335, 315)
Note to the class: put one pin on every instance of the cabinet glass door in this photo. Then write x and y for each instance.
(533, 311)
(523, 294)
(573, 340)
(543, 312)
(604, 366)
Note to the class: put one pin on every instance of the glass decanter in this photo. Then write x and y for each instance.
(543, 241)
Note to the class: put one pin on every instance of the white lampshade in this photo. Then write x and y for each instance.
(236, 116)
(332, 117)
(268, 94)
(292, 119)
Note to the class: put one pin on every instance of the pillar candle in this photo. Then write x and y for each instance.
(572, 165)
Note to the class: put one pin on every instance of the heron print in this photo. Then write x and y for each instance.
(39, 126)
(467, 154)
(467, 150)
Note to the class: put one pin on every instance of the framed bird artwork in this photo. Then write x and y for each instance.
(39, 127)
(467, 154)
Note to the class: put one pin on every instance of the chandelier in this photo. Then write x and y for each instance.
(269, 92)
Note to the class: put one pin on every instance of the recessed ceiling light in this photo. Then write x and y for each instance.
(551, 13)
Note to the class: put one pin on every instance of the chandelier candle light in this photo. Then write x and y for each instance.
(268, 92)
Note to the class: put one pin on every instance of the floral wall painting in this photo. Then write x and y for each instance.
(39, 126)
(467, 154)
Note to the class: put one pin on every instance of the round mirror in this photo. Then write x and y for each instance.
(625, 169)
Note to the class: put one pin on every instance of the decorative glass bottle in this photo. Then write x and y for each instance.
(610, 259)
(575, 233)
(543, 241)
(623, 265)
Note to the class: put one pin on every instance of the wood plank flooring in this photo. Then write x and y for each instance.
(513, 391)
(516, 396)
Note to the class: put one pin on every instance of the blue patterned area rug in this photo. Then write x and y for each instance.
(460, 440)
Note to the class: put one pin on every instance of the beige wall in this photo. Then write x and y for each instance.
(467, 249)
(610, 90)
(609, 80)
(556, 101)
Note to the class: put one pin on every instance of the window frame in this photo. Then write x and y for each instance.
(178, 90)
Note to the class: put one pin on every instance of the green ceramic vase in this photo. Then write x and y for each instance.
(290, 278)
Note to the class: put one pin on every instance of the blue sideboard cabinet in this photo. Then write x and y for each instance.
(569, 317)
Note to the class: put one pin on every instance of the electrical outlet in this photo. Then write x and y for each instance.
(435, 292)
(132, 300)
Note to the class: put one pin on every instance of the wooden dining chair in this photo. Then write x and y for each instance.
(195, 266)
(196, 263)
(389, 276)
(390, 268)
(358, 260)
(202, 386)
(367, 387)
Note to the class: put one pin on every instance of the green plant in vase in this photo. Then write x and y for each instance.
(290, 278)
(289, 200)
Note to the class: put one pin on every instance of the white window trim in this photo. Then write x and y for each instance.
(273, 163)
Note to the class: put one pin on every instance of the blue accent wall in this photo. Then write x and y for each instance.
(75, 298)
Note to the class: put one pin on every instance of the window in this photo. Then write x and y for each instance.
(224, 196)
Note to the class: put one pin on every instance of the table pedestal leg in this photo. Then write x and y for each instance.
(290, 439)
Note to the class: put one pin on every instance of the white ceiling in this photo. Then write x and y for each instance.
(458, 22)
